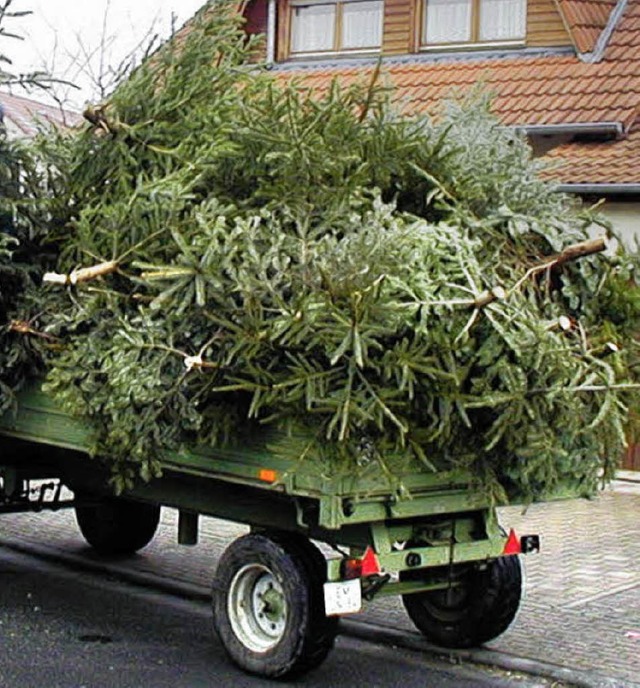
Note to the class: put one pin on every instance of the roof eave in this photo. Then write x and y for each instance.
(614, 129)
(616, 189)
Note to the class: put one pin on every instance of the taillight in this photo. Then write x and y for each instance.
(368, 565)
(524, 545)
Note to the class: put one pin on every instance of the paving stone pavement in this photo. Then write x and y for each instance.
(582, 605)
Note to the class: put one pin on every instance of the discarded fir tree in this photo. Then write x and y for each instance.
(401, 293)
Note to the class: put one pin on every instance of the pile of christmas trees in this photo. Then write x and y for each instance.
(26, 192)
(224, 250)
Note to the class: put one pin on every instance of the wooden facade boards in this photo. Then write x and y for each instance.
(545, 26)
(399, 34)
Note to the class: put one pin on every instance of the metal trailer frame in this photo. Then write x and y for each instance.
(438, 524)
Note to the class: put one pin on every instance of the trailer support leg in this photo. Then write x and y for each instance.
(11, 485)
(187, 528)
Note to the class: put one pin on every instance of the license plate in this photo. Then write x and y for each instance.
(344, 597)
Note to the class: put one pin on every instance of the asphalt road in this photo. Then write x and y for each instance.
(61, 628)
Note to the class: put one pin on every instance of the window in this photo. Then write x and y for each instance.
(474, 21)
(342, 25)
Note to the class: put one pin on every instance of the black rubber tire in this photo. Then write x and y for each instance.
(118, 526)
(323, 629)
(478, 610)
(307, 636)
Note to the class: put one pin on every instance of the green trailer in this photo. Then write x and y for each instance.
(276, 596)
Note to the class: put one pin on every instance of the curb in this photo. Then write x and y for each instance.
(628, 476)
(113, 568)
(358, 629)
(502, 660)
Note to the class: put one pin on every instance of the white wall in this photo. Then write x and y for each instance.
(625, 217)
(12, 129)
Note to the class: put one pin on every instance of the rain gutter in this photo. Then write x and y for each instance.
(624, 189)
(610, 129)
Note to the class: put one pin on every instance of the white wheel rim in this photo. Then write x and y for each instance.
(257, 608)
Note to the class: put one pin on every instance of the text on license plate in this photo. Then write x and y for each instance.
(344, 597)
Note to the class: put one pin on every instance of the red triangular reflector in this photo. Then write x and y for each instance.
(370, 563)
(512, 545)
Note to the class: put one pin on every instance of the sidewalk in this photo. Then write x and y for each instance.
(581, 612)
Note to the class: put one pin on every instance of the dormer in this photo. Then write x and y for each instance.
(303, 30)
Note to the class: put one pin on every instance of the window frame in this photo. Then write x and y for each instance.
(474, 42)
(336, 49)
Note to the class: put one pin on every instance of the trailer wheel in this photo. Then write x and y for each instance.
(478, 609)
(118, 526)
(265, 607)
(324, 629)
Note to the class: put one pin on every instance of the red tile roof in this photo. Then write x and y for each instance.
(531, 89)
(613, 162)
(24, 114)
(585, 20)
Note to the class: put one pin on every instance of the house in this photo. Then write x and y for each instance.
(20, 116)
(566, 72)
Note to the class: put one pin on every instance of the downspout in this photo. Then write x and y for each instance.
(271, 32)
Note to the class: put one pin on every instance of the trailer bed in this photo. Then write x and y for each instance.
(342, 499)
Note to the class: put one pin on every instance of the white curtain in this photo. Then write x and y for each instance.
(448, 21)
(502, 19)
(362, 24)
(312, 28)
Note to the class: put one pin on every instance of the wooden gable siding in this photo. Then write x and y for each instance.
(545, 26)
(400, 33)
(282, 32)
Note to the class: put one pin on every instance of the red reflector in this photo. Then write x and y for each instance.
(370, 563)
(512, 545)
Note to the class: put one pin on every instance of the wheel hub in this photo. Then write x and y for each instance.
(268, 605)
(257, 607)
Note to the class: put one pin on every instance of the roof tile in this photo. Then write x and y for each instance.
(585, 20)
(616, 162)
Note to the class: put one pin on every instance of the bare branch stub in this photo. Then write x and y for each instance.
(568, 254)
(23, 327)
(580, 250)
(82, 275)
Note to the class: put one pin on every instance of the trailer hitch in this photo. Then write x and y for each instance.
(372, 585)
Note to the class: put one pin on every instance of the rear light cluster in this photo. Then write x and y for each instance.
(522, 545)
(368, 565)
